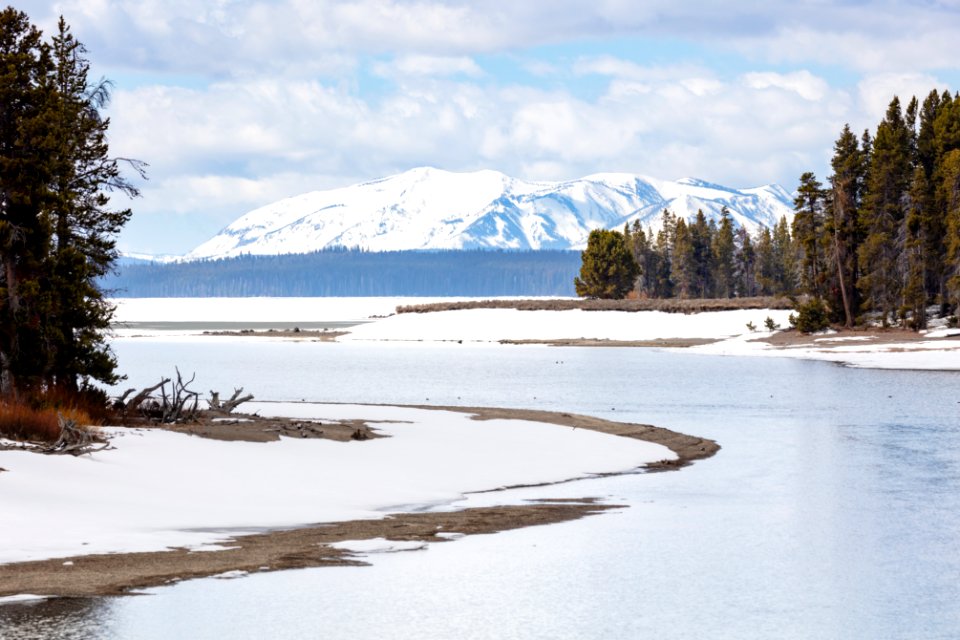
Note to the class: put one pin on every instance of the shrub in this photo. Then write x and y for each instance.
(811, 316)
(752, 327)
(90, 404)
(770, 324)
(21, 422)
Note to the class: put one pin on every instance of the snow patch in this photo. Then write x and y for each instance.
(22, 597)
(379, 545)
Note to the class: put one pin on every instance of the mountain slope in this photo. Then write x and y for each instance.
(427, 208)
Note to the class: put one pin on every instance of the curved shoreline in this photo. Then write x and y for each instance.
(309, 546)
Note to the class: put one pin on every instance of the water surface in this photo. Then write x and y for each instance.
(832, 511)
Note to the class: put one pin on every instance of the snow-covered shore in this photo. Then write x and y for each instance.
(158, 489)
(939, 350)
(378, 322)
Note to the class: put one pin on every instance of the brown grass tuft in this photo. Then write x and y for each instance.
(21, 422)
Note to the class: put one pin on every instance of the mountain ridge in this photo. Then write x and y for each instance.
(428, 208)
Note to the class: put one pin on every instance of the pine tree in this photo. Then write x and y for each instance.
(785, 259)
(701, 238)
(56, 232)
(724, 250)
(745, 259)
(664, 249)
(844, 203)
(808, 233)
(945, 139)
(913, 259)
(608, 269)
(85, 227)
(766, 264)
(24, 178)
(684, 265)
(949, 195)
(882, 213)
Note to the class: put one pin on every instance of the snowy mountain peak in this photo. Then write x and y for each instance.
(428, 208)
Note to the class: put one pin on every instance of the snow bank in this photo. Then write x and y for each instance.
(933, 355)
(491, 325)
(728, 328)
(160, 489)
(21, 597)
(261, 309)
(379, 545)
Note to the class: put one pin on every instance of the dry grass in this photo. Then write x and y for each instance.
(20, 422)
(36, 418)
(668, 305)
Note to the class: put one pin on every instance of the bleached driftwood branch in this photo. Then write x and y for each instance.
(227, 406)
(75, 440)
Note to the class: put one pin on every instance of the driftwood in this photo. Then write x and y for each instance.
(227, 406)
(138, 400)
(179, 404)
(75, 440)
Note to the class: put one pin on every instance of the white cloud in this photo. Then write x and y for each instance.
(419, 65)
(229, 37)
(803, 83)
(876, 91)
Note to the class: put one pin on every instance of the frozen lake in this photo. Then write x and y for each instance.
(832, 511)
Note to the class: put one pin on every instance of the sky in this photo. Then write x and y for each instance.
(235, 104)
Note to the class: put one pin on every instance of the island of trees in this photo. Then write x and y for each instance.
(881, 238)
(57, 230)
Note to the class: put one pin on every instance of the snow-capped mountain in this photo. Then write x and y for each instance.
(429, 208)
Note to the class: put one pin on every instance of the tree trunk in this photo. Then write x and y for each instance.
(843, 287)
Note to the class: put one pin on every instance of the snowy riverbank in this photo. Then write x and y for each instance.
(156, 489)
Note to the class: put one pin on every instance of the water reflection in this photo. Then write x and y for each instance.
(65, 618)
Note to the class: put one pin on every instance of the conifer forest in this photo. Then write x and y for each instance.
(880, 236)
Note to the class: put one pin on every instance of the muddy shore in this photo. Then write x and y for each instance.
(308, 546)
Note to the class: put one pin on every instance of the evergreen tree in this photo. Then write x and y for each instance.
(949, 194)
(913, 259)
(724, 250)
(841, 224)
(608, 269)
(85, 228)
(24, 178)
(56, 233)
(701, 238)
(684, 265)
(808, 233)
(882, 213)
(664, 249)
(784, 259)
(745, 261)
(766, 263)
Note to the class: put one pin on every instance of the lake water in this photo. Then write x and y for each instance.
(832, 511)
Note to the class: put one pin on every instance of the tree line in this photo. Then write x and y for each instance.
(57, 230)
(350, 272)
(881, 237)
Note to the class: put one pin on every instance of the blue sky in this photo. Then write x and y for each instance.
(238, 103)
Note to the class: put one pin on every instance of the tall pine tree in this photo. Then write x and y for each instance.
(57, 232)
(882, 213)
